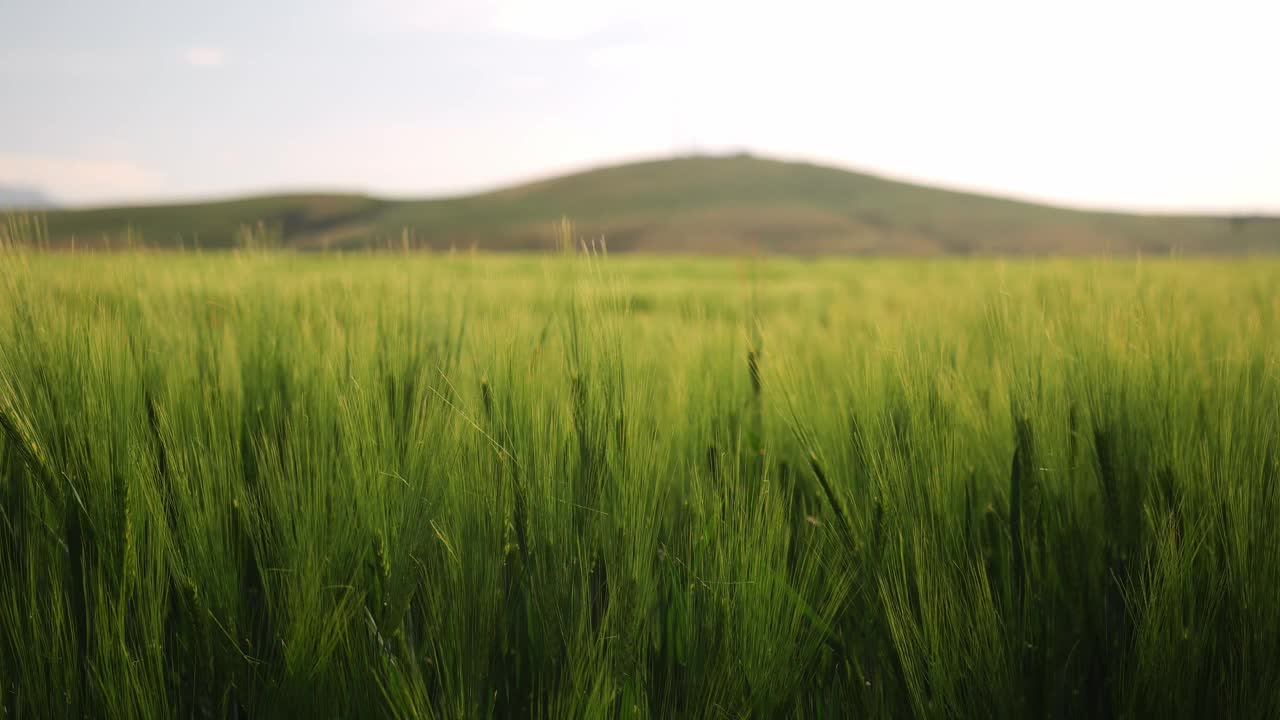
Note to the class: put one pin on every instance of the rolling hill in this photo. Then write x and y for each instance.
(698, 204)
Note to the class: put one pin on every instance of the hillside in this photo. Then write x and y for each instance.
(693, 204)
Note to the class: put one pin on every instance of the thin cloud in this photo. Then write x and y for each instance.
(205, 57)
(537, 19)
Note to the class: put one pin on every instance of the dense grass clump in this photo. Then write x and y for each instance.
(267, 485)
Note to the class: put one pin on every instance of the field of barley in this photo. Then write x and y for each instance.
(270, 484)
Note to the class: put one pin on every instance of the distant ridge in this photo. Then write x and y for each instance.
(24, 198)
(700, 204)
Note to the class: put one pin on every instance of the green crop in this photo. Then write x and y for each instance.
(276, 485)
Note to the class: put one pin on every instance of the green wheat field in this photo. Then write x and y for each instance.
(267, 484)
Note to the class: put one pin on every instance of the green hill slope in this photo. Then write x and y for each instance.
(693, 204)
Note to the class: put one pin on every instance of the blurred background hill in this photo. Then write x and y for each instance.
(694, 204)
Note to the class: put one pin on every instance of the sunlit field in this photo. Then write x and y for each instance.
(269, 484)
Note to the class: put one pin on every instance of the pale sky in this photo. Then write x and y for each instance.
(1116, 104)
